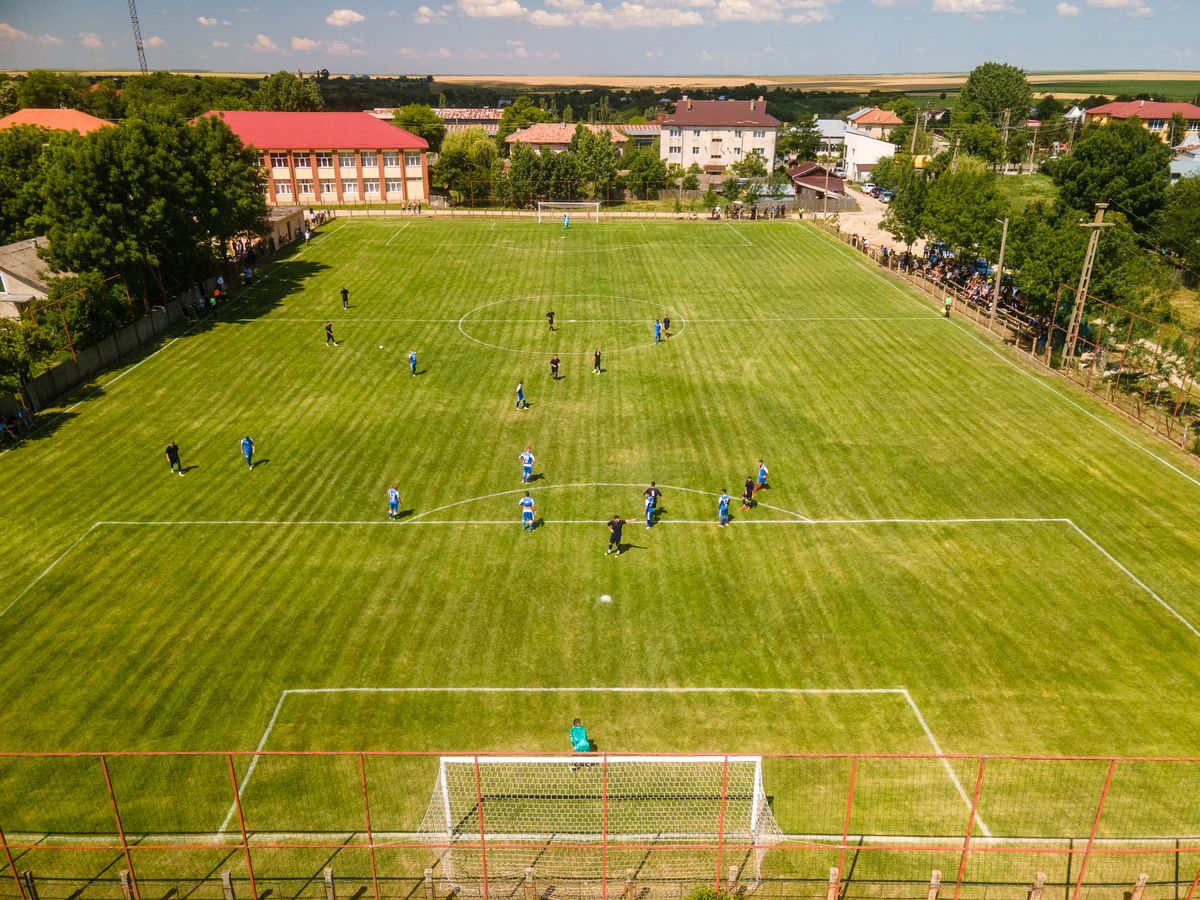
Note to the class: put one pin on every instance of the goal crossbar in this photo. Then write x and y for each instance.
(549, 210)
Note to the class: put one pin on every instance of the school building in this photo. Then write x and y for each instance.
(314, 158)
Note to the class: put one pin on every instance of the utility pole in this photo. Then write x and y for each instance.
(825, 211)
(954, 159)
(912, 151)
(999, 273)
(1085, 278)
(1004, 139)
(1033, 146)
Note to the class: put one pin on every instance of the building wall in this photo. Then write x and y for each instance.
(1160, 127)
(864, 150)
(307, 177)
(709, 146)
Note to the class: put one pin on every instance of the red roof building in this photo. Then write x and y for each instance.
(1154, 116)
(875, 121)
(715, 134)
(334, 157)
(557, 136)
(56, 120)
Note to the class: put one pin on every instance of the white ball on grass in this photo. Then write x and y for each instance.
(606, 598)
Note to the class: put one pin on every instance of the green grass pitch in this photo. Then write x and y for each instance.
(954, 552)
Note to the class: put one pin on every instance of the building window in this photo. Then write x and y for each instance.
(279, 160)
(695, 151)
(304, 186)
(370, 185)
(346, 160)
(675, 132)
(737, 151)
(328, 187)
(370, 160)
(737, 134)
(391, 158)
(394, 186)
(412, 159)
(696, 133)
(301, 161)
(283, 188)
(1155, 124)
(760, 134)
(349, 186)
(324, 160)
(675, 151)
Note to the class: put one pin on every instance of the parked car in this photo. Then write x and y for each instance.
(886, 196)
(868, 187)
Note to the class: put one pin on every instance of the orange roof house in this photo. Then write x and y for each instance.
(56, 120)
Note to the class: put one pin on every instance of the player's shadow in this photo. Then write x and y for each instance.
(538, 523)
(539, 476)
(187, 469)
(259, 463)
(404, 514)
(625, 548)
(420, 372)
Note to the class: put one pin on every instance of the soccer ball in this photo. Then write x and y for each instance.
(605, 598)
(381, 346)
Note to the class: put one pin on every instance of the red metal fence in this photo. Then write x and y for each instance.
(201, 825)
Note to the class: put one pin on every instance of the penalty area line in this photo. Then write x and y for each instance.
(739, 234)
(397, 234)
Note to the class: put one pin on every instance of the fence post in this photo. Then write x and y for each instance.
(31, 890)
(835, 881)
(962, 863)
(631, 885)
(429, 884)
(237, 802)
(731, 881)
(721, 822)
(529, 892)
(482, 844)
(1039, 884)
(126, 884)
(12, 866)
(129, 873)
(1192, 890)
(330, 887)
(362, 770)
(935, 884)
(1112, 767)
(604, 826)
(1139, 887)
(227, 886)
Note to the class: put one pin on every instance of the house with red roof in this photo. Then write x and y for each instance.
(333, 157)
(715, 134)
(873, 121)
(1154, 116)
(56, 120)
(556, 136)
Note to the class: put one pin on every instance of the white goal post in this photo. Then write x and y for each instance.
(578, 821)
(554, 210)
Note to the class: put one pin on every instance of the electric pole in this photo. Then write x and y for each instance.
(999, 273)
(1003, 136)
(954, 159)
(1033, 146)
(1085, 278)
(912, 151)
(137, 37)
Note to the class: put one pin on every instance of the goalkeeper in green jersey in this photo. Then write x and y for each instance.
(580, 742)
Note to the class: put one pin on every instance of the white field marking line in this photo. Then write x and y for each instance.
(1034, 376)
(901, 692)
(257, 283)
(397, 234)
(739, 234)
(46, 571)
(272, 319)
(669, 487)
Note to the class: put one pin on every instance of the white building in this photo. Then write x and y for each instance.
(862, 152)
(715, 134)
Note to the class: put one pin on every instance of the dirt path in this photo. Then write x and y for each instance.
(865, 223)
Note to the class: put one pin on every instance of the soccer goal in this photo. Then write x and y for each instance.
(585, 824)
(554, 210)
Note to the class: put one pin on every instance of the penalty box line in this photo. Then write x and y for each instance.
(898, 692)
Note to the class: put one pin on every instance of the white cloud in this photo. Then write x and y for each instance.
(300, 43)
(392, 12)
(887, 3)
(92, 41)
(207, 21)
(341, 48)
(48, 39)
(1131, 7)
(443, 53)
(12, 33)
(155, 41)
(427, 16)
(972, 7)
(799, 12)
(264, 43)
(1066, 9)
(343, 17)
(220, 43)
(492, 9)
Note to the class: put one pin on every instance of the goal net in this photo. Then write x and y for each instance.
(554, 210)
(578, 822)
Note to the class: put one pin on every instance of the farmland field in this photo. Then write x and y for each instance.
(953, 555)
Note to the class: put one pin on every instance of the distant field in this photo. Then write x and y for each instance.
(1021, 190)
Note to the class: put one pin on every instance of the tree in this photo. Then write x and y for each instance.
(690, 181)
(1122, 164)
(751, 165)
(902, 137)
(1178, 130)
(1179, 222)
(49, 90)
(1045, 251)
(961, 209)
(596, 157)
(515, 117)
(647, 173)
(93, 308)
(26, 350)
(468, 164)
(10, 97)
(800, 140)
(422, 121)
(285, 92)
(905, 216)
(524, 174)
(983, 141)
(184, 96)
(22, 163)
(232, 186)
(990, 91)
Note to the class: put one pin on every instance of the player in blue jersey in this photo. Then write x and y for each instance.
(248, 451)
(723, 507)
(566, 221)
(527, 507)
(412, 361)
(762, 477)
(527, 460)
(522, 403)
(393, 502)
(657, 331)
(649, 504)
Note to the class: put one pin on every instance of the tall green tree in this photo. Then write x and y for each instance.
(752, 165)
(422, 121)
(26, 350)
(799, 141)
(468, 165)
(92, 307)
(285, 92)
(597, 159)
(1179, 223)
(43, 89)
(23, 154)
(991, 90)
(10, 97)
(905, 216)
(184, 96)
(982, 141)
(522, 112)
(1122, 164)
(647, 173)
(961, 208)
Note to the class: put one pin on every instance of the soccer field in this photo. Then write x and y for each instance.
(954, 554)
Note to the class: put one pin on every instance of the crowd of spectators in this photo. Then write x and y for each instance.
(16, 426)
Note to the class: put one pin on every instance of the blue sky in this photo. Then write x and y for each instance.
(677, 37)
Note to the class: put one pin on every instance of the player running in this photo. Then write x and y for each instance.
(550, 318)
(329, 334)
(554, 367)
(723, 507)
(412, 362)
(615, 524)
(762, 476)
(527, 460)
(522, 403)
(393, 503)
(527, 507)
(173, 457)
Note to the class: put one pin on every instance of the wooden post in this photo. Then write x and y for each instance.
(935, 884)
(330, 887)
(27, 882)
(227, 885)
(429, 884)
(529, 883)
(1039, 884)
(834, 884)
(731, 882)
(1139, 887)
(630, 885)
(126, 885)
